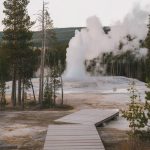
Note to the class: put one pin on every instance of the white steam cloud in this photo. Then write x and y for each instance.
(92, 41)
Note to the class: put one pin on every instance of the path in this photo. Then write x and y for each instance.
(79, 136)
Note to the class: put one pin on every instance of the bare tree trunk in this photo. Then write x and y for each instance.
(62, 91)
(54, 92)
(13, 94)
(33, 90)
(23, 95)
(3, 97)
(41, 86)
(19, 91)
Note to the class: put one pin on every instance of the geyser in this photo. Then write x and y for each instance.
(75, 58)
(92, 41)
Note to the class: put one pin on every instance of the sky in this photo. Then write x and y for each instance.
(72, 13)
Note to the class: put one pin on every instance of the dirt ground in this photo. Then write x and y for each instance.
(26, 130)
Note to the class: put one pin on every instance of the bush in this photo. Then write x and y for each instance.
(48, 97)
(135, 113)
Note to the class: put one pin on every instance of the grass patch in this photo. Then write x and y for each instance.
(139, 141)
(58, 108)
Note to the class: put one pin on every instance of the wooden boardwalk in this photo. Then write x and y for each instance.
(82, 135)
(72, 137)
(90, 116)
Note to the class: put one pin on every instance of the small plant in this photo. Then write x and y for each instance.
(48, 96)
(147, 103)
(135, 113)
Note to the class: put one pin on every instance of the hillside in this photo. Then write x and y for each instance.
(62, 34)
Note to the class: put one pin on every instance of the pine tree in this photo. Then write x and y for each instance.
(48, 94)
(55, 82)
(16, 41)
(147, 40)
(147, 45)
(135, 113)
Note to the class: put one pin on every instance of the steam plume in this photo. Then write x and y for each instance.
(92, 41)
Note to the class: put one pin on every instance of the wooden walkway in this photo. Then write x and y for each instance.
(72, 137)
(90, 116)
(82, 135)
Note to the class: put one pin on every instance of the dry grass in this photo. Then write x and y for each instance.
(134, 144)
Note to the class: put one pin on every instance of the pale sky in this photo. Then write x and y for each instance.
(69, 13)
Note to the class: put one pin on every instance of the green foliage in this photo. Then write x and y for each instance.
(17, 45)
(51, 88)
(123, 64)
(144, 135)
(147, 40)
(48, 96)
(135, 113)
(56, 56)
(147, 103)
(53, 82)
(16, 38)
(2, 95)
(3, 78)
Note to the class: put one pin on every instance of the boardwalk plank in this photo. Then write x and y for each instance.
(79, 136)
(89, 116)
(74, 140)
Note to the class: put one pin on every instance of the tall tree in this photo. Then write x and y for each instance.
(48, 38)
(147, 40)
(16, 40)
(147, 45)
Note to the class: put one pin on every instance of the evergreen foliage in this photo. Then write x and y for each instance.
(17, 44)
(147, 44)
(4, 75)
(53, 83)
(48, 95)
(147, 103)
(52, 57)
(147, 40)
(2, 95)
